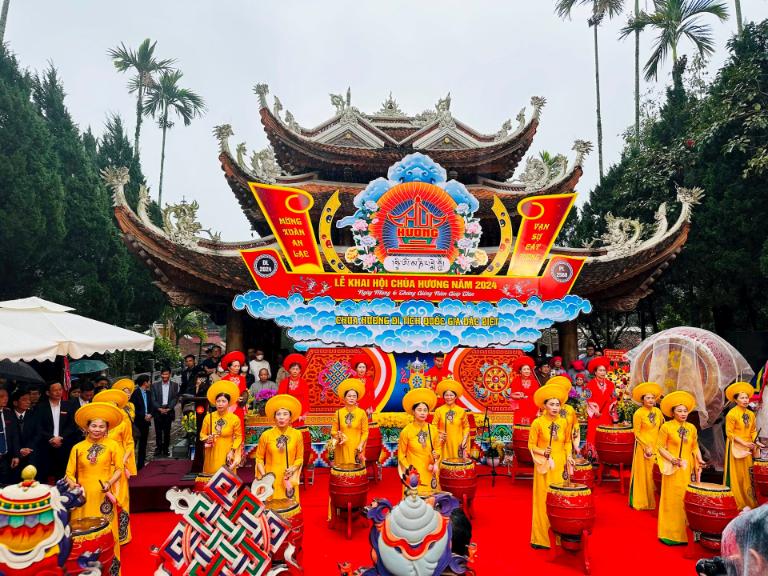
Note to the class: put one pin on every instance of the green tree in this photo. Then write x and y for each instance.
(181, 321)
(600, 9)
(144, 64)
(31, 192)
(674, 20)
(166, 96)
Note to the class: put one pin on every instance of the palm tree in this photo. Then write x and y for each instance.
(739, 21)
(165, 96)
(183, 321)
(4, 19)
(144, 63)
(673, 20)
(600, 8)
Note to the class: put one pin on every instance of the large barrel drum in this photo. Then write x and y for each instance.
(91, 536)
(520, 435)
(760, 476)
(374, 445)
(472, 432)
(309, 455)
(290, 510)
(583, 473)
(459, 477)
(348, 486)
(571, 511)
(709, 508)
(615, 444)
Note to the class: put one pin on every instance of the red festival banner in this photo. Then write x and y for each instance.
(543, 217)
(287, 212)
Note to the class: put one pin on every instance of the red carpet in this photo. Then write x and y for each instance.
(623, 542)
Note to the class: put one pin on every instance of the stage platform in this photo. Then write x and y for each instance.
(623, 542)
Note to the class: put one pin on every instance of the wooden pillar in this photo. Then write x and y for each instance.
(235, 333)
(568, 335)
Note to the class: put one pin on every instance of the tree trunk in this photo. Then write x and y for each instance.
(3, 19)
(637, 78)
(739, 21)
(139, 117)
(599, 118)
(162, 163)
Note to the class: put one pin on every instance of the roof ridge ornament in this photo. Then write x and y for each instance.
(278, 107)
(689, 197)
(223, 132)
(538, 102)
(264, 165)
(390, 108)
(180, 222)
(582, 148)
(261, 90)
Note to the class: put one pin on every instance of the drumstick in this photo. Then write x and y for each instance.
(682, 432)
(551, 433)
(286, 453)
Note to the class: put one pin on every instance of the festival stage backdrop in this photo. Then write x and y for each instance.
(415, 283)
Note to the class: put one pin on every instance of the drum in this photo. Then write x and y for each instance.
(290, 510)
(374, 445)
(520, 435)
(760, 476)
(348, 486)
(201, 480)
(309, 455)
(92, 536)
(709, 508)
(615, 444)
(571, 511)
(459, 477)
(583, 473)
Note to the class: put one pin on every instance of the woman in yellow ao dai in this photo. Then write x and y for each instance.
(679, 460)
(646, 423)
(350, 424)
(451, 421)
(551, 447)
(281, 448)
(221, 430)
(740, 430)
(419, 444)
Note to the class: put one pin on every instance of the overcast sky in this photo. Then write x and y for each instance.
(492, 56)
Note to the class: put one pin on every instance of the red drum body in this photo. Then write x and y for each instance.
(201, 480)
(760, 476)
(348, 486)
(91, 536)
(374, 445)
(290, 510)
(520, 435)
(459, 477)
(571, 511)
(583, 473)
(615, 444)
(309, 455)
(709, 508)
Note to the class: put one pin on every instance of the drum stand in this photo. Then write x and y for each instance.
(599, 479)
(583, 548)
(485, 431)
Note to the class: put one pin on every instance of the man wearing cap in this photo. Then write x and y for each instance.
(55, 432)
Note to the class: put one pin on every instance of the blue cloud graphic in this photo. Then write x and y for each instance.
(322, 322)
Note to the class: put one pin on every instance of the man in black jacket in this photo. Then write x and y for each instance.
(166, 394)
(9, 441)
(55, 432)
(145, 407)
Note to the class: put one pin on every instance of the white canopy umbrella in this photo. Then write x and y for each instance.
(74, 335)
(18, 345)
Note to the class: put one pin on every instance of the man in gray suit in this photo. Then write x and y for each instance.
(165, 395)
